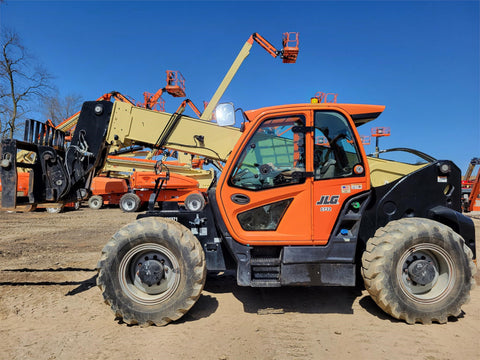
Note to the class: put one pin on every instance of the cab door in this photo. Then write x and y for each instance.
(264, 195)
(339, 171)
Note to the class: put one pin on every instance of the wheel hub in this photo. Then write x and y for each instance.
(421, 272)
(151, 272)
(426, 273)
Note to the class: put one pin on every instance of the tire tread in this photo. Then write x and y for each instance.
(374, 259)
(143, 226)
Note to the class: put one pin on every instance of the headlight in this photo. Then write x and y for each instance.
(98, 109)
(444, 168)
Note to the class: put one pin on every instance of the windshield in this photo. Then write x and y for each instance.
(274, 156)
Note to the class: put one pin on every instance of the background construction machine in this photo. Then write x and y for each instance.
(471, 188)
(298, 202)
(126, 180)
(129, 182)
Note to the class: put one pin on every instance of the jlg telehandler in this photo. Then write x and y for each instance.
(298, 203)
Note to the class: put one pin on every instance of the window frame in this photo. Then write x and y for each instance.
(354, 144)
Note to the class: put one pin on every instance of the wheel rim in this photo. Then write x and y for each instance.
(95, 203)
(144, 292)
(435, 279)
(194, 205)
(128, 204)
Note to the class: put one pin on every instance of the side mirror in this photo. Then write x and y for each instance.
(225, 114)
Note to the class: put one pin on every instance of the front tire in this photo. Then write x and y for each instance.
(418, 270)
(152, 271)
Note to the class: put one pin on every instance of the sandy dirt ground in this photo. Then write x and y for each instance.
(50, 308)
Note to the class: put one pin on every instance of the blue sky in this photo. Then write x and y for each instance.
(420, 59)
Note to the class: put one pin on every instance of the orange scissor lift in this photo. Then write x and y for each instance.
(182, 183)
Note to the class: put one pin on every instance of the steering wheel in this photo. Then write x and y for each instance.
(265, 169)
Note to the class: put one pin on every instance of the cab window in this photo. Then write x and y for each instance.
(335, 152)
(274, 156)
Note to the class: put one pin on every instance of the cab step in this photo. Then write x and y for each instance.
(265, 261)
(265, 283)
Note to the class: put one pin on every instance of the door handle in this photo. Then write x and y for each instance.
(240, 199)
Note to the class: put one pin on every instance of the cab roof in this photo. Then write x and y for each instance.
(360, 113)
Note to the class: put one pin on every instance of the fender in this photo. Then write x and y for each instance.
(407, 197)
(460, 223)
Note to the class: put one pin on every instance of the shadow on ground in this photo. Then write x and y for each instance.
(317, 300)
(83, 285)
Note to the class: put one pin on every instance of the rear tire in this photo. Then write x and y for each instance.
(130, 202)
(55, 210)
(152, 271)
(95, 202)
(418, 270)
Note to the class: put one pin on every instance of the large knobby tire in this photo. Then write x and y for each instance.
(95, 202)
(418, 270)
(152, 271)
(130, 202)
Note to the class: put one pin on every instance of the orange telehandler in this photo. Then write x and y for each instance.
(286, 209)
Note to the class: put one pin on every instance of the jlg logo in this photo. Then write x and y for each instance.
(328, 200)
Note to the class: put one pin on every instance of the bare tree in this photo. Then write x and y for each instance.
(57, 108)
(22, 82)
